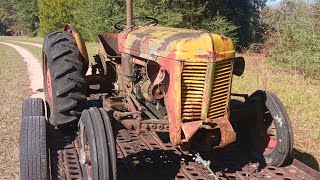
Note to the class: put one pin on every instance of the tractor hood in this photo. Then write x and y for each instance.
(177, 44)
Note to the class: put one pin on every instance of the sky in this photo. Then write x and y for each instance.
(270, 2)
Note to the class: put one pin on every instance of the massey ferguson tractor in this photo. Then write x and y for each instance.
(146, 78)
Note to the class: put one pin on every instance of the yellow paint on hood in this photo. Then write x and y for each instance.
(179, 44)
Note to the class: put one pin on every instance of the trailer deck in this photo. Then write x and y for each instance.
(150, 156)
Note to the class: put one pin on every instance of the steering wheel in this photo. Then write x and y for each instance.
(150, 22)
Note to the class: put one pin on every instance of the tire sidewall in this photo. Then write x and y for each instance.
(283, 148)
(62, 57)
(281, 120)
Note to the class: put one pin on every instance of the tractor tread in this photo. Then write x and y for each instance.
(33, 148)
(33, 107)
(60, 52)
(60, 40)
(78, 96)
(66, 89)
(75, 113)
(67, 106)
(63, 71)
(78, 64)
(68, 83)
(76, 79)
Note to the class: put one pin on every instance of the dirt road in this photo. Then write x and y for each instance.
(21, 76)
(34, 70)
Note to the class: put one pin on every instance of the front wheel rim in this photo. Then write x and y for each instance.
(270, 139)
(84, 144)
(48, 86)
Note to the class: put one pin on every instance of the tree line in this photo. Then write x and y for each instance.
(292, 39)
(289, 32)
(238, 19)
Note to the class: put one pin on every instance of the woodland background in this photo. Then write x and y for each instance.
(288, 31)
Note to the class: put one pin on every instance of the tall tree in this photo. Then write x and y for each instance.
(239, 19)
(53, 14)
(26, 17)
(6, 15)
(99, 17)
(294, 35)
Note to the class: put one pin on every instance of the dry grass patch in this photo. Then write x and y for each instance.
(34, 50)
(92, 47)
(299, 95)
(13, 89)
(22, 38)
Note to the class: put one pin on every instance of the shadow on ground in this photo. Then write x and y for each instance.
(307, 159)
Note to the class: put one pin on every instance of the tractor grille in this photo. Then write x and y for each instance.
(192, 82)
(221, 88)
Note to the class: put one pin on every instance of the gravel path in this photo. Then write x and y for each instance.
(40, 46)
(34, 69)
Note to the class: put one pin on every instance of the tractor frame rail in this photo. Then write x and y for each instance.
(151, 156)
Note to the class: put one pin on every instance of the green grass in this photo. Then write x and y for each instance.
(23, 38)
(34, 50)
(13, 89)
(92, 49)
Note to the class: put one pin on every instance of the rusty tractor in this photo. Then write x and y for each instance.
(147, 78)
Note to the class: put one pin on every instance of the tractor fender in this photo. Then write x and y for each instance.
(80, 43)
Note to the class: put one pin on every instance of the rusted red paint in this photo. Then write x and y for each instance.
(172, 97)
(190, 128)
(210, 55)
(152, 42)
(109, 44)
(139, 62)
(271, 144)
(48, 88)
(170, 48)
(228, 134)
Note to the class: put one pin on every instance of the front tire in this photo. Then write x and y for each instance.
(96, 137)
(276, 141)
(63, 70)
(33, 148)
(33, 107)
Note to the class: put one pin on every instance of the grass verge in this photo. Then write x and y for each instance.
(23, 38)
(34, 50)
(92, 48)
(13, 89)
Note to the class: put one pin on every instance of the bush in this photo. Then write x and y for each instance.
(53, 14)
(294, 35)
(236, 19)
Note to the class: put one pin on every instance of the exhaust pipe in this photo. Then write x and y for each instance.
(129, 14)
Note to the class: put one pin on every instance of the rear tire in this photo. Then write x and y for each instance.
(278, 148)
(63, 70)
(33, 148)
(96, 135)
(33, 107)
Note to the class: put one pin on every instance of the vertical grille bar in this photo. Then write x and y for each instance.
(221, 89)
(192, 82)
